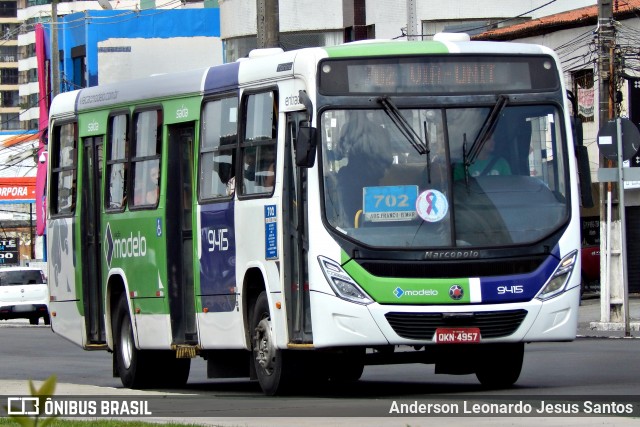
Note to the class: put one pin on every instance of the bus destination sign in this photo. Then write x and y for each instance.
(438, 75)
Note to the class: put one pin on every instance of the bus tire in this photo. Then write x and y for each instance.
(499, 365)
(274, 367)
(135, 369)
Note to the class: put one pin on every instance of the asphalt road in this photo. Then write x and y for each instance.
(588, 368)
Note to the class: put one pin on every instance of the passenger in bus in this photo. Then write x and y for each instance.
(366, 145)
(259, 173)
(488, 162)
(148, 193)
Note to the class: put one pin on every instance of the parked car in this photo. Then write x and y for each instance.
(24, 294)
(590, 268)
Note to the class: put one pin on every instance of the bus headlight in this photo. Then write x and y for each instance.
(341, 283)
(558, 280)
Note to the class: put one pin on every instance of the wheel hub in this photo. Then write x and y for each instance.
(126, 344)
(264, 348)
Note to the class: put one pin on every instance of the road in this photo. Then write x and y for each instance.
(584, 369)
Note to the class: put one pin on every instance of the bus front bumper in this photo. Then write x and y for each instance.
(337, 322)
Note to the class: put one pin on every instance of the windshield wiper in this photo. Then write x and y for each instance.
(401, 123)
(487, 129)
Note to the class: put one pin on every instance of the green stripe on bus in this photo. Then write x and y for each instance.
(390, 290)
(386, 48)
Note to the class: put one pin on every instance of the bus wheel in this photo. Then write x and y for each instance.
(273, 371)
(499, 365)
(133, 368)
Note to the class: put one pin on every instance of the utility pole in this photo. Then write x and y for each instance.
(613, 293)
(55, 51)
(412, 21)
(268, 24)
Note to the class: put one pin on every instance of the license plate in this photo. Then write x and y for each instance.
(457, 335)
(22, 308)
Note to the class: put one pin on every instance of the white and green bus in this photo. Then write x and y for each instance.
(299, 215)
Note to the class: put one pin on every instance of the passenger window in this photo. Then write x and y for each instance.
(145, 160)
(63, 169)
(217, 150)
(118, 132)
(258, 148)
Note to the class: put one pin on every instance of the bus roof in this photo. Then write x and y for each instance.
(227, 77)
(401, 47)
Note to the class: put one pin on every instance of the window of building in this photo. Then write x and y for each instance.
(118, 131)
(217, 151)
(9, 98)
(9, 9)
(8, 53)
(63, 157)
(8, 76)
(241, 46)
(10, 121)
(145, 160)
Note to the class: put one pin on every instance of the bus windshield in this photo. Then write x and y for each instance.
(405, 177)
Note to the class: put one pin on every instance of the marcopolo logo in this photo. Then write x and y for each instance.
(399, 292)
(456, 292)
(131, 246)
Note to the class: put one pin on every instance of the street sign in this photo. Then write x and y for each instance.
(608, 143)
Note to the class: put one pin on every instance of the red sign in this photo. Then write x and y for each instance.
(16, 190)
(457, 335)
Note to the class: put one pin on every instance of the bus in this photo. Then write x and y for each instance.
(296, 216)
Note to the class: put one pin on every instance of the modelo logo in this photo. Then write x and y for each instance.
(182, 113)
(127, 247)
(131, 247)
(93, 126)
(399, 292)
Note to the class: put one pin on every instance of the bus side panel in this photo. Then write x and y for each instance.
(66, 297)
(220, 324)
(135, 248)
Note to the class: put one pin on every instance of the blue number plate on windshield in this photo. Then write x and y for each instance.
(390, 203)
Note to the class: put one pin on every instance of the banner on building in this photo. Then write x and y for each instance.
(585, 102)
(18, 190)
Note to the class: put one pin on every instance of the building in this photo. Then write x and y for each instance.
(9, 100)
(98, 43)
(304, 23)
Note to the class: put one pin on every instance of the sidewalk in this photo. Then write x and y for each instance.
(589, 319)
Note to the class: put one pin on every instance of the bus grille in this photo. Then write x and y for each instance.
(453, 269)
(422, 326)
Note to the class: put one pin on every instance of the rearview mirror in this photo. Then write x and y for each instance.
(306, 143)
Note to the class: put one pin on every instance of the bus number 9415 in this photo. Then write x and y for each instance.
(515, 289)
(218, 240)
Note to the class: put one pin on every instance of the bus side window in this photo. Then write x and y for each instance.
(63, 170)
(145, 161)
(117, 152)
(259, 143)
(217, 150)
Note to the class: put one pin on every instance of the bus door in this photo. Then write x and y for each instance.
(296, 238)
(179, 233)
(91, 242)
